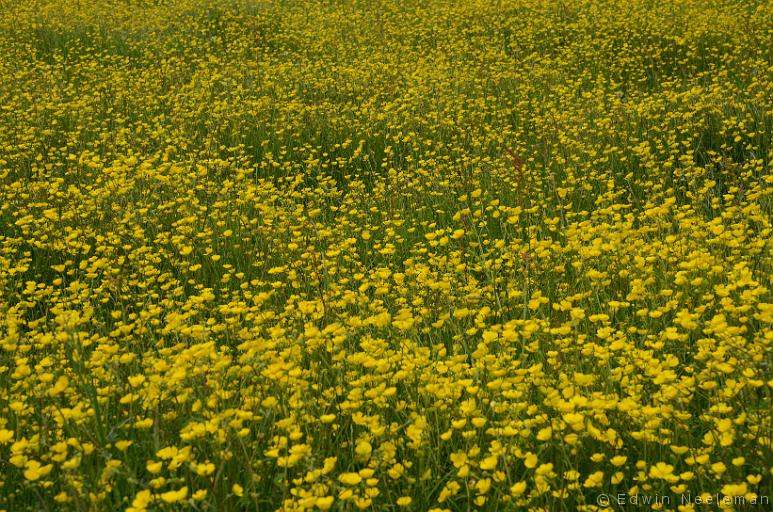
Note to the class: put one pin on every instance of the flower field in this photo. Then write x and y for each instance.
(386, 255)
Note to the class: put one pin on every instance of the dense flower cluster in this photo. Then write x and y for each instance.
(384, 254)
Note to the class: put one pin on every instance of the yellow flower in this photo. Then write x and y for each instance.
(518, 488)
(489, 463)
(123, 445)
(324, 503)
(5, 436)
(575, 420)
(363, 450)
(733, 490)
(141, 501)
(594, 480)
(349, 478)
(545, 434)
(483, 486)
(718, 468)
(33, 470)
(618, 460)
(175, 496)
(450, 489)
(237, 490)
(663, 471)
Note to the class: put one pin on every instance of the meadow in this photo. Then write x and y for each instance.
(385, 255)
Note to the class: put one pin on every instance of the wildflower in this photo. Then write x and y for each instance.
(518, 489)
(618, 460)
(324, 503)
(594, 480)
(734, 489)
(141, 501)
(34, 470)
(349, 478)
(175, 496)
(663, 471)
(5, 436)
